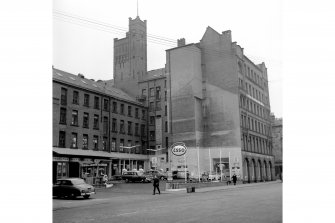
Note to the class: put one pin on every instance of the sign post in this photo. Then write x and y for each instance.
(179, 149)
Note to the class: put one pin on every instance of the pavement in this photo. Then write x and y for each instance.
(210, 188)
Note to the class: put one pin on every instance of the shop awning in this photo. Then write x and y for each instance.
(92, 153)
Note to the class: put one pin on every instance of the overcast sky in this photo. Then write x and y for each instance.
(84, 31)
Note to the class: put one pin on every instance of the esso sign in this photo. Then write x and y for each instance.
(178, 149)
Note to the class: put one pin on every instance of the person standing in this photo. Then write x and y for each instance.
(156, 185)
(234, 179)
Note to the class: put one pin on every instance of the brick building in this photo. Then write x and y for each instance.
(220, 108)
(92, 123)
(277, 142)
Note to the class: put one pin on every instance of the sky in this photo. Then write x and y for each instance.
(83, 33)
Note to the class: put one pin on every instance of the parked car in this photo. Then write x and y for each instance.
(134, 176)
(161, 175)
(180, 174)
(72, 187)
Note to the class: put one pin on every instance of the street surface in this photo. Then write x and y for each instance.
(134, 202)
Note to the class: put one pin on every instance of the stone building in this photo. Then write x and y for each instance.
(96, 129)
(220, 108)
(277, 141)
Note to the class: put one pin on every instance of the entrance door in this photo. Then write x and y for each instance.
(74, 169)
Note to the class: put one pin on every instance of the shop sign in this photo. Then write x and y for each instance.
(87, 160)
(75, 159)
(60, 159)
(178, 149)
(92, 164)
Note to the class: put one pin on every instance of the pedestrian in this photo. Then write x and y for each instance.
(156, 185)
(234, 179)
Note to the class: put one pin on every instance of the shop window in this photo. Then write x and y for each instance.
(75, 97)
(62, 119)
(61, 142)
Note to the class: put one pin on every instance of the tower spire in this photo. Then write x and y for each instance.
(137, 8)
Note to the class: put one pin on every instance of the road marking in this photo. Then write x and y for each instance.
(126, 213)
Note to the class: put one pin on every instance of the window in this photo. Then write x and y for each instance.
(158, 93)
(114, 125)
(106, 105)
(96, 122)
(85, 120)
(165, 83)
(166, 126)
(113, 144)
(85, 141)
(136, 113)
(143, 131)
(136, 129)
(95, 142)
(165, 110)
(122, 127)
(158, 106)
(144, 92)
(74, 120)
(61, 142)
(63, 97)
(104, 144)
(122, 109)
(74, 140)
(152, 120)
(129, 111)
(62, 119)
(96, 102)
(130, 132)
(86, 100)
(105, 126)
(114, 109)
(151, 106)
(143, 114)
(165, 95)
(75, 97)
(138, 147)
(152, 135)
(152, 92)
(129, 145)
(121, 145)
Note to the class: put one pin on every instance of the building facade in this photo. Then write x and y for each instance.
(277, 141)
(97, 129)
(220, 109)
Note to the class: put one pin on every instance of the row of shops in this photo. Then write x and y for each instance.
(93, 165)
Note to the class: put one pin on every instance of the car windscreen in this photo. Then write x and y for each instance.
(78, 181)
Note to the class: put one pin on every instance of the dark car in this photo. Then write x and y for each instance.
(72, 187)
(134, 176)
(180, 174)
(159, 174)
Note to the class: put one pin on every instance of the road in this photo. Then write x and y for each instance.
(135, 203)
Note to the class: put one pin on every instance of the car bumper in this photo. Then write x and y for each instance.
(87, 193)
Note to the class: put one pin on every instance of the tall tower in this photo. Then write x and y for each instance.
(130, 57)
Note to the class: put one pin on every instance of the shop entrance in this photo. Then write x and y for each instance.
(73, 169)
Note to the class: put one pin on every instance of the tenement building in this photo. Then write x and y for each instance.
(97, 129)
(220, 109)
(277, 141)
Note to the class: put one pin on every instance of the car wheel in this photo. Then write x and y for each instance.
(86, 196)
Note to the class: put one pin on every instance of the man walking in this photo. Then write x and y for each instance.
(234, 179)
(156, 185)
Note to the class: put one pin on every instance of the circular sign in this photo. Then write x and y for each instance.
(178, 149)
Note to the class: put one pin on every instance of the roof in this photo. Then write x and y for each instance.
(187, 45)
(92, 85)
